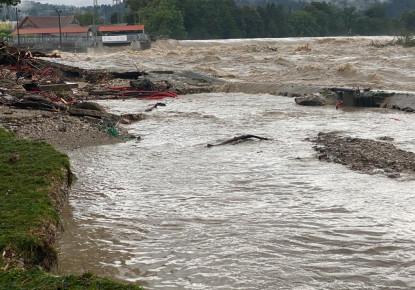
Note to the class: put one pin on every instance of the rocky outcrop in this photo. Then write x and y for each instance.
(403, 102)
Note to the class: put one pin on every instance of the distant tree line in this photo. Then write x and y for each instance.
(222, 19)
(207, 19)
(394, 8)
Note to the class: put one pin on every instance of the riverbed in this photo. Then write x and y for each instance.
(264, 214)
(169, 211)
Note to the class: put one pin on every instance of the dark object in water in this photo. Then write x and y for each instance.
(238, 139)
(155, 106)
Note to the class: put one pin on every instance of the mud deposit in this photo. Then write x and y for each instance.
(367, 156)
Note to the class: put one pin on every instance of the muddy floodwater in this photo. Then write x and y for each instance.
(263, 214)
(342, 61)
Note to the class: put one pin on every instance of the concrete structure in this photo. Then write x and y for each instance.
(121, 34)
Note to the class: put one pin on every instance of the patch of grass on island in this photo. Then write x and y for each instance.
(406, 39)
(28, 171)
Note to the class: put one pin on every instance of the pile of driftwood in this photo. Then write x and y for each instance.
(28, 84)
(10, 55)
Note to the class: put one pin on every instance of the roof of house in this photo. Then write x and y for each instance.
(48, 21)
(111, 28)
(52, 30)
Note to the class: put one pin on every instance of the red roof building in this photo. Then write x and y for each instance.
(121, 28)
(48, 21)
(55, 30)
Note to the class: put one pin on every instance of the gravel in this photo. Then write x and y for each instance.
(62, 131)
(365, 155)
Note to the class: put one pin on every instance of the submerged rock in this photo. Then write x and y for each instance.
(310, 100)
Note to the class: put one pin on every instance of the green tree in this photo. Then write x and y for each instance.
(164, 20)
(321, 17)
(279, 16)
(136, 5)
(114, 18)
(303, 23)
(374, 22)
(85, 19)
(194, 17)
(252, 22)
(376, 11)
(270, 28)
(228, 13)
(130, 17)
(408, 20)
(10, 2)
(329, 17)
(350, 18)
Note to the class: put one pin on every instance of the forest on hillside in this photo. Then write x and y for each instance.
(394, 8)
(222, 19)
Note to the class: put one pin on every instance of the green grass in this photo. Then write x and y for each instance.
(25, 208)
(37, 279)
(24, 198)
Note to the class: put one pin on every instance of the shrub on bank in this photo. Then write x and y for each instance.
(406, 39)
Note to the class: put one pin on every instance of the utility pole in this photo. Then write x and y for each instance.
(95, 18)
(118, 3)
(17, 26)
(60, 27)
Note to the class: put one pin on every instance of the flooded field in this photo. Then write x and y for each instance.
(264, 214)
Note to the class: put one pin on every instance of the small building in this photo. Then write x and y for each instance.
(45, 34)
(122, 34)
(65, 32)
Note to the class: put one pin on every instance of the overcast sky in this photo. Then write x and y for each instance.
(72, 2)
(79, 3)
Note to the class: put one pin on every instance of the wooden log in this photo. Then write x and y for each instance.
(35, 105)
(238, 139)
(54, 87)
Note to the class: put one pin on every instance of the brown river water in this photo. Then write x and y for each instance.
(170, 212)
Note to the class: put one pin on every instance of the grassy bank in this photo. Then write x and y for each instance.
(33, 182)
(36, 279)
